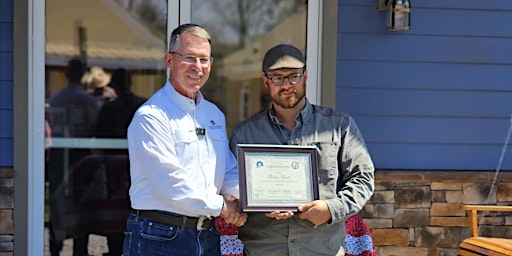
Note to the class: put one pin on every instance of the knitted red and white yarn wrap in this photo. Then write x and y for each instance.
(230, 245)
(358, 241)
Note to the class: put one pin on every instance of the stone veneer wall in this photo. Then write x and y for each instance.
(6, 211)
(411, 213)
(419, 212)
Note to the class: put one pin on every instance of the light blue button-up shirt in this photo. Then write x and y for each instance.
(175, 168)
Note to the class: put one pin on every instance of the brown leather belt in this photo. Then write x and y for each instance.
(201, 223)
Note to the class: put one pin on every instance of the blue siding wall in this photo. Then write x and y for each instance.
(436, 97)
(6, 83)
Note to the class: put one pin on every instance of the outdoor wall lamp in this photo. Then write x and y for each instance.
(399, 14)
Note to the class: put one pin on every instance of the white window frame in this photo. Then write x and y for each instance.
(28, 132)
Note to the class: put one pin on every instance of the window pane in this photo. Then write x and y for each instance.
(87, 166)
(242, 31)
(121, 45)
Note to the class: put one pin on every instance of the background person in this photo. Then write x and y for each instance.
(345, 169)
(97, 84)
(115, 116)
(73, 113)
(113, 120)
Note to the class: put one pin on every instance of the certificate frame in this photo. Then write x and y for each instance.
(276, 177)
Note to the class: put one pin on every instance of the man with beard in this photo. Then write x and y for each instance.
(345, 169)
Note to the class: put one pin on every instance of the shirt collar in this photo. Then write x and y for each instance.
(304, 115)
(186, 103)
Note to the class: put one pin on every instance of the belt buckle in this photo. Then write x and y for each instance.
(200, 222)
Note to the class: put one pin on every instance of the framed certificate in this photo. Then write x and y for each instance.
(276, 177)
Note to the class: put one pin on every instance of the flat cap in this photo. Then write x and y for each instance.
(283, 56)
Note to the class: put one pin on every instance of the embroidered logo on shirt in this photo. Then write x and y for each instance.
(214, 125)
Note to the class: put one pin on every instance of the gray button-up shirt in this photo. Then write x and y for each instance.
(345, 180)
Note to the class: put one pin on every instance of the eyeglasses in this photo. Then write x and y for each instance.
(292, 79)
(193, 59)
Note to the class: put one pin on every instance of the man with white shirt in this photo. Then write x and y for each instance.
(183, 173)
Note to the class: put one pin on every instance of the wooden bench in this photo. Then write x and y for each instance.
(476, 245)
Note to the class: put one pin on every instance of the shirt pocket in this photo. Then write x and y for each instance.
(184, 136)
(327, 160)
(184, 142)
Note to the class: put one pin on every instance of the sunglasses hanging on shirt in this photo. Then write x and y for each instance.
(200, 131)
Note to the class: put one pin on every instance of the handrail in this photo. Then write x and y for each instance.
(473, 216)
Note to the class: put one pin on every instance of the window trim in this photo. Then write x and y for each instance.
(314, 51)
(28, 132)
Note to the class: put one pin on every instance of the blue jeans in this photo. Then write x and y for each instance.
(149, 238)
